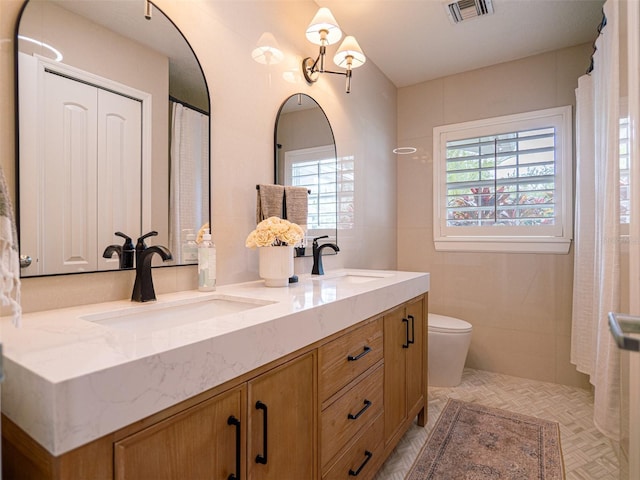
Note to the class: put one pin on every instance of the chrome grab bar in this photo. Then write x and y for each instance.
(619, 324)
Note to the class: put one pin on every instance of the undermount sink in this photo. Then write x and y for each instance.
(350, 277)
(164, 315)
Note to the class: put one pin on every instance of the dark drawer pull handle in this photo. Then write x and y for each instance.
(366, 350)
(262, 459)
(406, 323)
(367, 404)
(235, 422)
(368, 454)
(413, 329)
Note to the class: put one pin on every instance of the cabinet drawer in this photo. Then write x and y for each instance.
(363, 459)
(342, 420)
(346, 357)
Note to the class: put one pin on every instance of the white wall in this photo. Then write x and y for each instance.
(245, 97)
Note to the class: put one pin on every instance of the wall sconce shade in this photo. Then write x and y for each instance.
(349, 48)
(267, 50)
(324, 30)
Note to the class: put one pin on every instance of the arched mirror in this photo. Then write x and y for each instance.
(113, 122)
(305, 155)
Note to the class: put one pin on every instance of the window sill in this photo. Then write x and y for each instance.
(492, 245)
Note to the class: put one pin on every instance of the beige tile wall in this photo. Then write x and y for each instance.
(519, 304)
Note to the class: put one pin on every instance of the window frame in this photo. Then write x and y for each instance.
(516, 239)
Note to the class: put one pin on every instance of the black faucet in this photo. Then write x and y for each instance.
(143, 290)
(317, 254)
(125, 251)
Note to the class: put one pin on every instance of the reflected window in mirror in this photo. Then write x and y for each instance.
(83, 174)
(346, 189)
(305, 155)
(330, 183)
(315, 168)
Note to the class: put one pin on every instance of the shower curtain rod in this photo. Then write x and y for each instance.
(199, 110)
(603, 24)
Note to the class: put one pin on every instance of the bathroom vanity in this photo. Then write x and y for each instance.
(318, 380)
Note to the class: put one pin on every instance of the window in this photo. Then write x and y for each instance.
(504, 184)
(625, 194)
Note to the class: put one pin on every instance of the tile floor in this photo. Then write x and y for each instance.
(588, 455)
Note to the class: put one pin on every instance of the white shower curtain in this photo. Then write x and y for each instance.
(596, 288)
(189, 189)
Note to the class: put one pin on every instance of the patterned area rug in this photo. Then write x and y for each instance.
(473, 442)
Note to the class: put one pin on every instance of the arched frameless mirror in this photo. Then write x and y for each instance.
(305, 155)
(113, 122)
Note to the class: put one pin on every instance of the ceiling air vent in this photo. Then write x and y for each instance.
(467, 9)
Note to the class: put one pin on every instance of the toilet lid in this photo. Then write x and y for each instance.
(444, 324)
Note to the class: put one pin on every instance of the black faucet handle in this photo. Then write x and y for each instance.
(315, 240)
(140, 245)
(128, 243)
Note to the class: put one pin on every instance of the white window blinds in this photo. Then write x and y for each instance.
(505, 183)
(506, 179)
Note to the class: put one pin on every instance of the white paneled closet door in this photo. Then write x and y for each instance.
(119, 171)
(91, 168)
(69, 181)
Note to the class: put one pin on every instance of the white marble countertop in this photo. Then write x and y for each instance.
(70, 380)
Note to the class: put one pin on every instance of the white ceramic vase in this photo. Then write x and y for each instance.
(276, 265)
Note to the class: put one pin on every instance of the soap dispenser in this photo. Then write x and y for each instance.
(206, 263)
(190, 248)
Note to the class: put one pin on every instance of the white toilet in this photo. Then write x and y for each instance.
(449, 340)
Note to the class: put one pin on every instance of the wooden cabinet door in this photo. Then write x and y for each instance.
(200, 442)
(404, 367)
(395, 391)
(415, 353)
(282, 422)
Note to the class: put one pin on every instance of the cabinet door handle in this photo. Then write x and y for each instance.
(235, 422)
(263, 458)
(367, 404)
(406, 324)
(352, 358)
(367, 454)
(413, 329)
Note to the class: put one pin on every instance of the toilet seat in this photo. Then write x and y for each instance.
(444, 324)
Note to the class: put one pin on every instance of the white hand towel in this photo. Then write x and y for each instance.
(9, 255)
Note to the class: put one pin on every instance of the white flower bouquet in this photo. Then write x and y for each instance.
(275, 232)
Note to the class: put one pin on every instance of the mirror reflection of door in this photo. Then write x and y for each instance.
(84, 176)
(305, 155)
(110, 47)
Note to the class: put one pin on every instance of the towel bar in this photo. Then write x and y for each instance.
(619, 324)
(258, 188)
